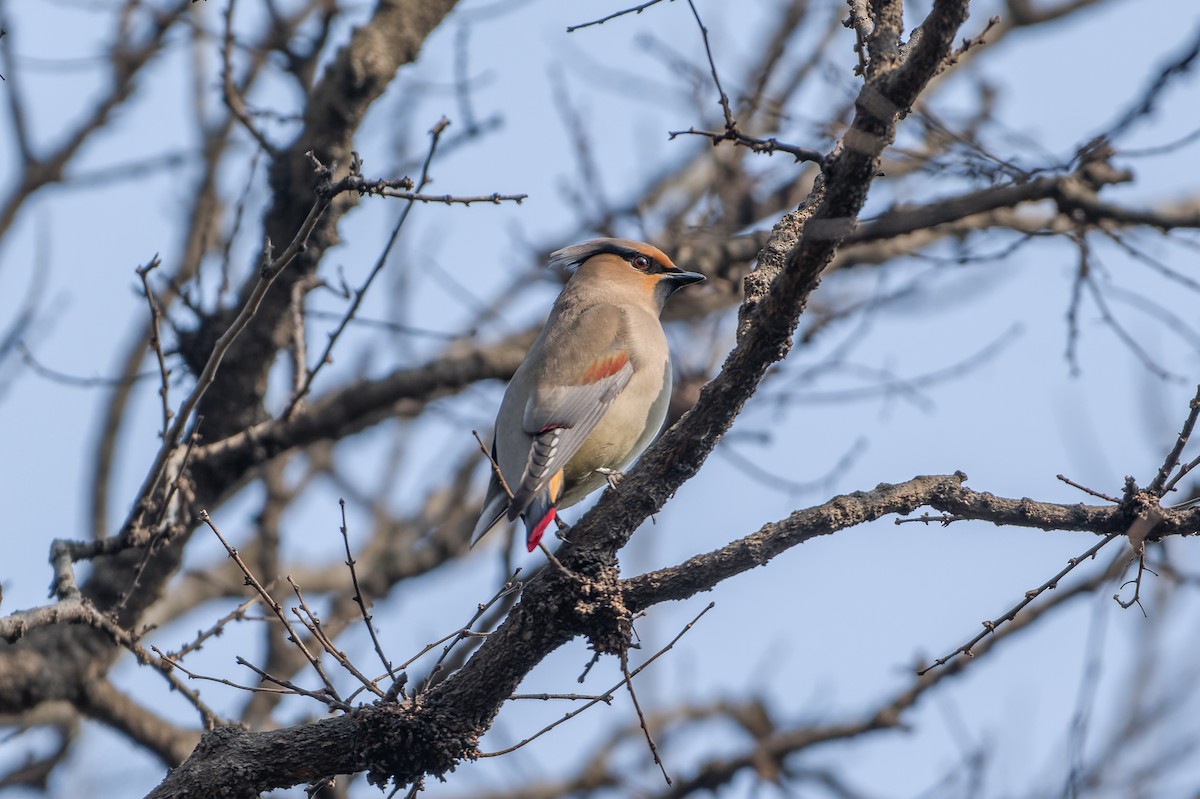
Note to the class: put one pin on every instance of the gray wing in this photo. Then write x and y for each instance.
(560, 419)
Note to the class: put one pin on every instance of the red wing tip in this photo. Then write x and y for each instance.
(539, 529)
(604, 367)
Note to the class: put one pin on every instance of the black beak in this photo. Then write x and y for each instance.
(677, 278)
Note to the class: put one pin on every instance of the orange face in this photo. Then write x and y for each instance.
(631, 262)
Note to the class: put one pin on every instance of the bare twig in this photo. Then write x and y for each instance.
(230, 93)
(637, 706)
(191, 675)
(299, 344)
(723, 98)
(313, 623)
(239, 215)
(1159, 485)
(160, 532)
(510, 586)
(1131, 343)
(237, 614)
(495, 466)
(41, 370)
(634, 10)
(570, 697)
(606, 697)
(331, 694)
(358, 597)
(1179, 65)
(769, 145)
(989, 627)
(731, 132)
(1086, 490)
(74, 608)
(945, 519)
(271, 269)
(289, 687)
(1136, 582)
(303, 385)
(143, 272)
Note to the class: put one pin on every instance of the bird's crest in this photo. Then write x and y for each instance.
(576, 254)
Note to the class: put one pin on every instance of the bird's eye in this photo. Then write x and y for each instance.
(640, 262)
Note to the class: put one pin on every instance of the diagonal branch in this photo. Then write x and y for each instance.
(789, 267)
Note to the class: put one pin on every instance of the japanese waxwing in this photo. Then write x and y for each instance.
(593, 391)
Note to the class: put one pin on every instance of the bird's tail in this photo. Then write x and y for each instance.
(537, 517)
(493, 511)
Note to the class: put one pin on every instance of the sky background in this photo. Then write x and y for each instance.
(826, 628)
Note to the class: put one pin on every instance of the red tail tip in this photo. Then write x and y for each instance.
(535, 535)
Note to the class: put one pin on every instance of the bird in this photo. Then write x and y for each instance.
(592, 392)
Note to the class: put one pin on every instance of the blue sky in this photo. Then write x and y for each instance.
(824, 629)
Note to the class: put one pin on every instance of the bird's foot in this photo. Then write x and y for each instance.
(561, 532)
(613, 476)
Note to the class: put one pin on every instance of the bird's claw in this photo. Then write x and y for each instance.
(613, 476)
(560, 530)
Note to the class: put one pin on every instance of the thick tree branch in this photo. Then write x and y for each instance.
(941, 492)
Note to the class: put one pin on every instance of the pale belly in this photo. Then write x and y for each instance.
(625, 430)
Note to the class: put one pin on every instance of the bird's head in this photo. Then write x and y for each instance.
(625, 266)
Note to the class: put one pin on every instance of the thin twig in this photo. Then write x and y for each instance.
(1136, 599)
(945, 519)
(1183, 471)
(41, 370)
(989, 627)
(634, 10)
(548, 697)
(126, 639)
(732, 133)
(237, 614)
(299, 344)
(555, 562)
(277, 609)
(191, 675)
(1087, 490)
(1158, 485)
(455, 637)
(272, 266)
(143, 272)
(193, 440)
(270, 270)
(1081, 275)
(607, 696)
(1125, 336)
(769, 145)
(495, 466)
(239, 214)
(358, 597)
(233, 100)
(510, 585)
(730, 122)
(304, 385)
(323, 695)
(313, 622)
(637, 706)
(160, 531)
